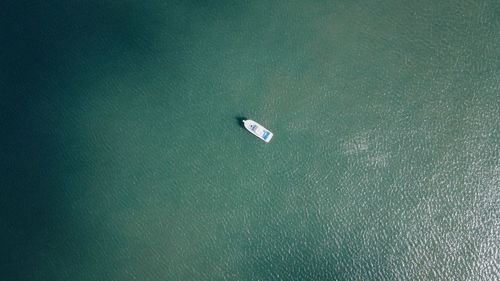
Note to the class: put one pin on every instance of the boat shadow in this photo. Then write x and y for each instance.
(239, 120)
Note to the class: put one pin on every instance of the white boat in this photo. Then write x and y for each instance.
(258, 130)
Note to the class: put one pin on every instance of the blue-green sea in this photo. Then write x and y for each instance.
(123, 155)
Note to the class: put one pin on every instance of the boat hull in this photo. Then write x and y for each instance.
(258, 130)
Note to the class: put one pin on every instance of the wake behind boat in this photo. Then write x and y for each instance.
(258, 130)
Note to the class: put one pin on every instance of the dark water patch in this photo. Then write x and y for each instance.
(49, 51)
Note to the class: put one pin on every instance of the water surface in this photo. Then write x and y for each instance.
(123, 157)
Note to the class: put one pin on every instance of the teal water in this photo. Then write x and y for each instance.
(123, 158)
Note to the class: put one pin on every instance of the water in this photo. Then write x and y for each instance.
(123, 158)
